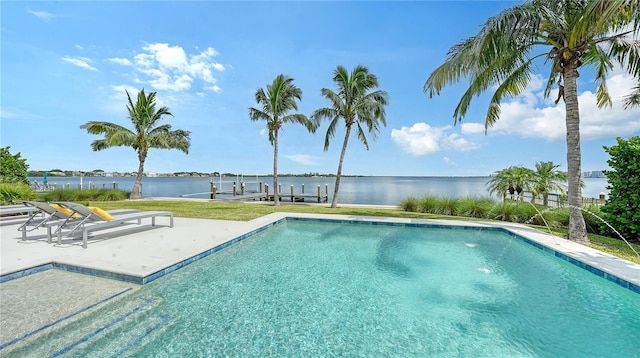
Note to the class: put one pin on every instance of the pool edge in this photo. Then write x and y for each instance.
(544, 242)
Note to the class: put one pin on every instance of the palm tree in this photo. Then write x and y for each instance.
(547, 179)
(570, 34)
(356, 105)
(146, 134)
(633, 99)
(513, 180)
(277, 100)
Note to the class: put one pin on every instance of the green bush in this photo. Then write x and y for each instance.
(622, 209)
(78, 195)
(447, 206)
(509, 210)
(428, 204)
(409, 204)
(13, 168)
(474, 207)
(505, 211)
(15, 191)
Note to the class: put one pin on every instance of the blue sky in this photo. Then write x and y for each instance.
(66, 63)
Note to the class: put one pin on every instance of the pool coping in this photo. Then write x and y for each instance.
(622, 272)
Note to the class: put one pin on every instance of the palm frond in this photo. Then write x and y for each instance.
(331, 131)
(633, 99)
(500, 54)
(362, 136)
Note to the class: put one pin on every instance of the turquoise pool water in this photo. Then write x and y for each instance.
(308, 288)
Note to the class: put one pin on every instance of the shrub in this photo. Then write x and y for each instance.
(475, 207)
(505, 211)
(447, 206)
(78, 195)
(409, 204)
(428, 204)
(15, 191)
(622, 210)
(13, 168)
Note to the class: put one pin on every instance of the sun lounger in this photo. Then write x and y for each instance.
(61, 225)
(50, 212)
(95, 219)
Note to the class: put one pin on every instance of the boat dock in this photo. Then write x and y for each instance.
(262, 193)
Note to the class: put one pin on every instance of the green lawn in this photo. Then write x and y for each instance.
(249, 211)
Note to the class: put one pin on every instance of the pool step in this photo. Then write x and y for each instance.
(112, 331)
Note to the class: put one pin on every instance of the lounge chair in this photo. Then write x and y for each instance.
(94, 219)
(51, 214)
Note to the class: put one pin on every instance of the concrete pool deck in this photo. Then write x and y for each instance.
(141, 251)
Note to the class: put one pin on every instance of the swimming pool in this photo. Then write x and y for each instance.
(312, 288)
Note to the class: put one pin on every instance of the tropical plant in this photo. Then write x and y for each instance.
(513, 180)
(10, 192)
(546, 179)
(147, 133)
(570, 34)
(278, 99)
(13, 168)
(356, 105)
(622, 209)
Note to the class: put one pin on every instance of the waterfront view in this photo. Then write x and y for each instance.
(373, 190)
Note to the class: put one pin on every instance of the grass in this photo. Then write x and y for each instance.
(250, 211)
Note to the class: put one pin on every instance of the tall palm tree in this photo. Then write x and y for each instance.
(276, 101)
(356, 105)
(547, 179)
(513, 180)
(147, 133)
(569, 34)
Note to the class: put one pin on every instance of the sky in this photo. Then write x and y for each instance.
(65, 63)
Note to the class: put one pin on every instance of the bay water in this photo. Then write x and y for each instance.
(370, 190)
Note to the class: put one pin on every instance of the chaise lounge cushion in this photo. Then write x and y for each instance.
(105, 215)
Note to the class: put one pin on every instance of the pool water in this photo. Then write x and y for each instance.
(308, 288)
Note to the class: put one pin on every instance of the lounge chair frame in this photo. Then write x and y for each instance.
(91, 221)
(51, 216)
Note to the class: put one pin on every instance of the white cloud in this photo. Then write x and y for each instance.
(531, 115)
(471, 128)
(166, 67)
(449, 162)
(42, 15)
(214, 88)
(120, 61)
(120, 90)
(81, 62)
(422, 139)
(7, 115)
(302, 159)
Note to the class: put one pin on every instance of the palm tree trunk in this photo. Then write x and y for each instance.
(334, 201)
(577, 227)
(276, 196)
(136, 192)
